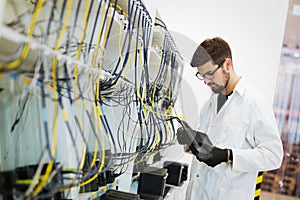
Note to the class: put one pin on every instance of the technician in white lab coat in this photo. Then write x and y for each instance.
(240, 126)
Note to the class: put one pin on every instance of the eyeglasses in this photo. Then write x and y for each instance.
(209, 75)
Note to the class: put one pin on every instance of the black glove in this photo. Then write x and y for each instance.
(215, 156)
(186, 135)
(198, 142)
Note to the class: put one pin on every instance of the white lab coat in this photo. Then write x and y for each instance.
(245, 124)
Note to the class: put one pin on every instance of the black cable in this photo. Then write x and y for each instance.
(95, 25)
(113, 81)
(19, 114)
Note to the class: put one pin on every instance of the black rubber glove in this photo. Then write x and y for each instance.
(197, 142)
(186, 135)
(183, 137)
(215, 156)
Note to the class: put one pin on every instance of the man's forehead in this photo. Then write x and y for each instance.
(208, 66)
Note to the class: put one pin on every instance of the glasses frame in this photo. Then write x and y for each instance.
(209, 75)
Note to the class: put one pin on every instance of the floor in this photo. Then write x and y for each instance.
(271, 196)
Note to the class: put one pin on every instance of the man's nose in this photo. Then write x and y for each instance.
(205, 80)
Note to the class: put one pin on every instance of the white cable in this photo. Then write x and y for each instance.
(10, 34)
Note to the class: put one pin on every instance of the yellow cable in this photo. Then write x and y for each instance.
(156, 142)
(26, 182)
(154, 89)
(54, 70)
(76, 89)
(85, 106)
(119, 8)
(153, 94)
(91, 80)
(168, 133)
(97, 109)
(98, 41)
(89, 180)
(18, 61)
(121, 58)
(151, 110)
(110, 20)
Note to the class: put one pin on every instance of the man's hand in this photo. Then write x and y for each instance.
(215, 156)
(186, 135)
(200, 145)
(197, 142)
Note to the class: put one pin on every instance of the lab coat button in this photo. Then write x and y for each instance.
(197, 175)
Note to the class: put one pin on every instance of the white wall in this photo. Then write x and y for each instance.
(254, 29)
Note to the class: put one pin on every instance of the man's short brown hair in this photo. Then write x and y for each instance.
(215, 49)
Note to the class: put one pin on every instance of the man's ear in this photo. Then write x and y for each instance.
(228, 64)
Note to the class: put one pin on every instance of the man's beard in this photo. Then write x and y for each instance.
(219, 89)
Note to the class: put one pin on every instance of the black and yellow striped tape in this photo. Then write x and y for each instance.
(259, 180)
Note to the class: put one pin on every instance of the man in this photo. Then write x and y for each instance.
(237, 135)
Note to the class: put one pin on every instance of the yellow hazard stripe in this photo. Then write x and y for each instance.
(259, 179)
(257, 193)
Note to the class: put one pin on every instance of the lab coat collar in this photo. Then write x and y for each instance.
(240, 87)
